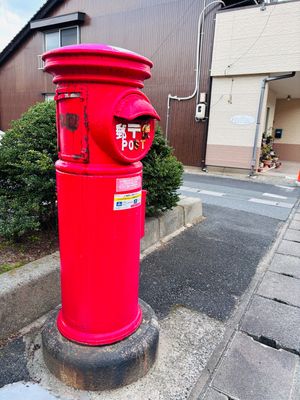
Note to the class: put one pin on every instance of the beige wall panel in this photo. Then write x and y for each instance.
(287, 117)
(229, 156)
(247, 18)
(288, 152)
(230, 99)
(253, 41)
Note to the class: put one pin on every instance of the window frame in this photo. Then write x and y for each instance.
(48, 96)
(59, 34)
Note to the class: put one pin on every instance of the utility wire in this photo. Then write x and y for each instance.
(253, 44)
(229, 100)
(218, 101)
(177, 25)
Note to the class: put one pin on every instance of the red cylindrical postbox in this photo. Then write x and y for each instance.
(105, 125)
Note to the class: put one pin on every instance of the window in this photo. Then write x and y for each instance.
(51, 40)
(49, 96)
(69, 36)
(61, 37)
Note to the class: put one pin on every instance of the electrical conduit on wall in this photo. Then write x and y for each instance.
(200, 32)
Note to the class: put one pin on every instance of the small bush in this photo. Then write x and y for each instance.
(27, 175)
(162, 176)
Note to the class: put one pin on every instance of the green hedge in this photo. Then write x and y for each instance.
(27, 176)
(162, 176)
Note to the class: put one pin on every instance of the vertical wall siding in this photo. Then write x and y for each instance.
(21, 83)
(164, 31)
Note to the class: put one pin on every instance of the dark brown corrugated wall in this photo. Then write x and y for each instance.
(166, 32)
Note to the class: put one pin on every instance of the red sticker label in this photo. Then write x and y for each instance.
(124, 184)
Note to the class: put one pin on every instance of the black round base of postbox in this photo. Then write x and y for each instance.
(101, 367)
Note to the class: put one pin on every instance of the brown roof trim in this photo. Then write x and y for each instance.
(45, 23)
(26, 31)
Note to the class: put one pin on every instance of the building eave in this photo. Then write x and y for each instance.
(46, 23)
(26, 31)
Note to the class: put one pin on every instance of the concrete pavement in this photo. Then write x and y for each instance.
(261, 358)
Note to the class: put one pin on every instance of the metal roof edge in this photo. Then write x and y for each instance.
(225, 9)
(26, 31)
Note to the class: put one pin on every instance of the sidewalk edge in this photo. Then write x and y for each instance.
(217, 356)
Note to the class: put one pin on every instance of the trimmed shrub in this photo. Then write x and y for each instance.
(27, 175)
(162, 176)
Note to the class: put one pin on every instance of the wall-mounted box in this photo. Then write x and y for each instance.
(278, 133)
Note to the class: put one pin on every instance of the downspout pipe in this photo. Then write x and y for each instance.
(200, 56)
(198, 66)
(259, 112)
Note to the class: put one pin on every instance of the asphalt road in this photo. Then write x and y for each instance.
(274, 201)
(208, 267)
(13, 363)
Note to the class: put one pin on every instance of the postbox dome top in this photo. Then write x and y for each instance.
(99, 49)
(97, 62)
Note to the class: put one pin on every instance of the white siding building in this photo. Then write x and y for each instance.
(251, 44)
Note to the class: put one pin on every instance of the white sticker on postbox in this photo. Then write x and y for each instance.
(124, 201)
(125, 184)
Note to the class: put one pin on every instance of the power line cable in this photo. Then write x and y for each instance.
(253, 44)
(177, 24)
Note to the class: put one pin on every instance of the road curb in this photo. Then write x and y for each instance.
(32, 290)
